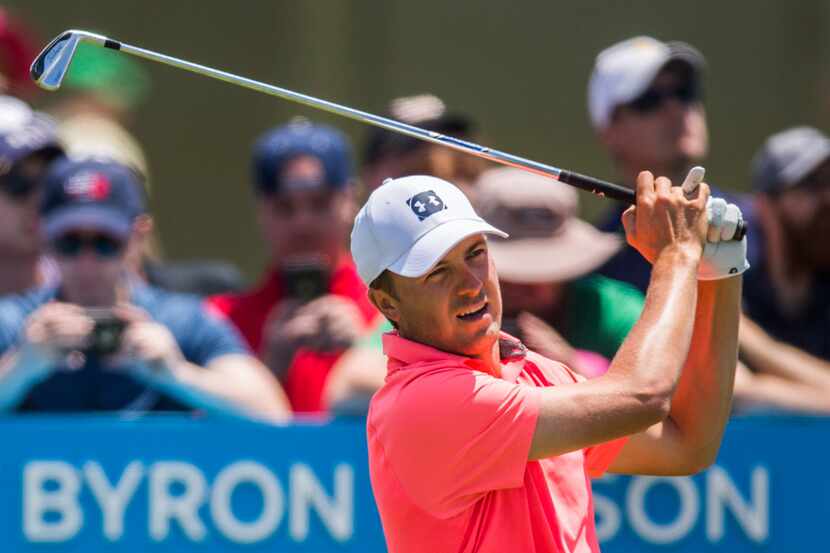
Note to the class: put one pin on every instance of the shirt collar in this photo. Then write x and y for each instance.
(402, 352)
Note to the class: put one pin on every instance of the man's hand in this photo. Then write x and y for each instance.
(147, 341)
(56, 328)
(722, 257)
(664, 218)
(327, 324)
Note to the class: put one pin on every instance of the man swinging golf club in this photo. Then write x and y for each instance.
(477, 444)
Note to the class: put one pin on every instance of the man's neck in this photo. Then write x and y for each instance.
(492, 359)
(20, 274)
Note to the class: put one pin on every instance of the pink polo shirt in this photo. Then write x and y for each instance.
(448, 447)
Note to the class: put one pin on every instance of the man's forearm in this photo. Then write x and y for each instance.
(702, 402)
(238, 380)
(765, 354)
(20, 370)
(658, 343)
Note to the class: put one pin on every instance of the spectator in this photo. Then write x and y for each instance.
(27, 146)
(311, 305)
(390, 155)
(645, 102)
(103, 91)
(102, 340)
(784, 335)
(545, 268)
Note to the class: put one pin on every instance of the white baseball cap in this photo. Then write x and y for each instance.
(625, 70)
(408, 224)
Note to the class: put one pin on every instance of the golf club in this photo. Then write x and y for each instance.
(52, 64)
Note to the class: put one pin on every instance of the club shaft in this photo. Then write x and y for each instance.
(583, 182)
(49, 69)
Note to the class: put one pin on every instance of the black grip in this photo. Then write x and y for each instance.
(615, 191)
(598, 186)
(740, 231)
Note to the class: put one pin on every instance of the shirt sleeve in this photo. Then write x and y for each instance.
(599, 457)
(204, 334)
(457, 434)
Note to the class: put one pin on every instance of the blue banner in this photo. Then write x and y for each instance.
(768, 491)
(179, 484)
(174, 484)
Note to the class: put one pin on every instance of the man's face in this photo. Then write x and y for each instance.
(302, 222)
(664, 129)
(20, 192)
(455, 307)
(804, 212)
(91, 264)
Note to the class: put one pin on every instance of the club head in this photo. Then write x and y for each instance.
(51, 65)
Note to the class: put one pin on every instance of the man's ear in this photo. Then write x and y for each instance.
(386, 304)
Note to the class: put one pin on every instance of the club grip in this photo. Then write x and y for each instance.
(598, 186)
(617, 192)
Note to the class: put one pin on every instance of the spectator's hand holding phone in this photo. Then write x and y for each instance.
(328, 324)
(56, 329)
(146, 340)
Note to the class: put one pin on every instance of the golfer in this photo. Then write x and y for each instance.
(477, 444)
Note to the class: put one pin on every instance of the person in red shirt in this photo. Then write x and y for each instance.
(477, 444)
(311, 305)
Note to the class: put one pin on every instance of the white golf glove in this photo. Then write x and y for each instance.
(722, 256)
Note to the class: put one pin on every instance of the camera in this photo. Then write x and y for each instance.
(305, 280)
(105, 338)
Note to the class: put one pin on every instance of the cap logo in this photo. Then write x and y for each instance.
(425, 204)
(88, 185)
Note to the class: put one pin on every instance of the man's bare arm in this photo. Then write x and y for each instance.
(359, 372)
(241, 380)
(767, 355)
(636, 391)
(770, 391)
(689, 439)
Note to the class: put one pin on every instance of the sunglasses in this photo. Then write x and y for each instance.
(653, 99)
(18, 187)
(71, 245)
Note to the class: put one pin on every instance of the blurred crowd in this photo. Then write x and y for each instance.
(93, 318)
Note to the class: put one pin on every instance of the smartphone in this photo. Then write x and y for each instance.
(305, 280)
(107, 332)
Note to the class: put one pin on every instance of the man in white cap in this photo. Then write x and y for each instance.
(476, 443)
(645, 104)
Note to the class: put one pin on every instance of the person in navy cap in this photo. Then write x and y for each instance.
(786, 296)
(102, 340)
(311, 304)
(28, 144)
